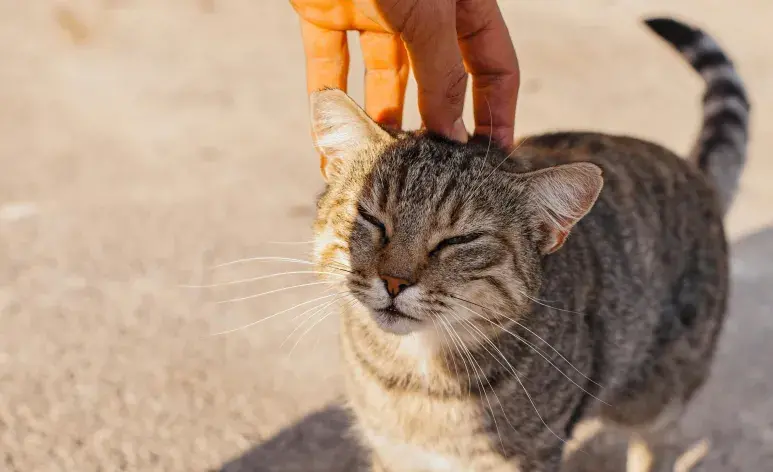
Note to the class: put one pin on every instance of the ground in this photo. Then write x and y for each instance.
(143, 142)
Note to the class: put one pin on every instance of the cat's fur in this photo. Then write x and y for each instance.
(519, 331)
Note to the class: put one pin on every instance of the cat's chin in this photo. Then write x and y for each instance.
(396, 322)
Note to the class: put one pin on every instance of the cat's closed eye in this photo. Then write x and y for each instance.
(455, 241)
(372, 220)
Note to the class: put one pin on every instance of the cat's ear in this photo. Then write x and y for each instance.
(341, 130)
(562, 195)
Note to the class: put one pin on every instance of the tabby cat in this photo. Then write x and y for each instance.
(501, 298)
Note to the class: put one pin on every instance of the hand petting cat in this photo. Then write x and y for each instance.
(444, 39)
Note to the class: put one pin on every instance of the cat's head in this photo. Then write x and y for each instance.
(432, 231)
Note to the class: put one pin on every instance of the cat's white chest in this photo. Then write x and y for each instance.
(400, 456)
(403, 457)
(418, 348)
(412, 430)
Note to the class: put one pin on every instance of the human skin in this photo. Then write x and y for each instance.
(443, 40)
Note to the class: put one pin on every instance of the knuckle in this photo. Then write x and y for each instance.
(502, 80)
(474, 16)
(457, 84)
(422, 21)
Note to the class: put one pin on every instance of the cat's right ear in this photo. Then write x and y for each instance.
(341, 130)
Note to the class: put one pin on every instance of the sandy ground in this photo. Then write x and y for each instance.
(143, 142)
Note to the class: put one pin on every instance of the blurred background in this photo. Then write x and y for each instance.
(143, 142)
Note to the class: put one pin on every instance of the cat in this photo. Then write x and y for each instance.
(501, 298)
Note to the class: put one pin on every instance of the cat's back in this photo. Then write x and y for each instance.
(649, 191)
(648, 264)
(657, 220)
(627, 162)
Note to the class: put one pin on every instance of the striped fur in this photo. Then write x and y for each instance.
(581, 276)
(721, 146)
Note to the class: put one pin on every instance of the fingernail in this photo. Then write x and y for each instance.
(459, 132)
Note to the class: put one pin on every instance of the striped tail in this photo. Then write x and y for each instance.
(721, 147)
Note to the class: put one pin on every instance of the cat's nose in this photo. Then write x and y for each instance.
(394, 285)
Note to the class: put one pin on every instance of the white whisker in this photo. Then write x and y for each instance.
(539, 302)
(276, 259)
(480, 383)
(533, 334)
(528, 395)
(461, 356)
(274, 315)
(249, 297)
(262, 277)
(316, 309)
(263, 258)
(299, 315)
(472, 194)
(486, 339)
(445, 357)
(322, 318)
(490, 136)
(538, 351)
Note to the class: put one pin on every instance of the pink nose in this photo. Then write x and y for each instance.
(394, 285)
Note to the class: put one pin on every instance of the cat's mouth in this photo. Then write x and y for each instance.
(392, 311)
(392, 320)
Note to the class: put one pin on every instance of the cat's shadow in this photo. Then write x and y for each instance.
(733, 411)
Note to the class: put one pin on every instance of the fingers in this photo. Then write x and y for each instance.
(490, 57)
(386, 76)
(327, 61)
(327, 57)
(429, 32)
(437, 35)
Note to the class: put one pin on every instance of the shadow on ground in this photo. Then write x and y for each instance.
(735, 410)
(320, 442)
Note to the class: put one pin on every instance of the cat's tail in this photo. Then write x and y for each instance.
(721, 146)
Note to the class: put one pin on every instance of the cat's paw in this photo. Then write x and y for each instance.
(692, 456)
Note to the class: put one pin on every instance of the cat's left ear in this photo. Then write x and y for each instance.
(341, 130)
(561, 196)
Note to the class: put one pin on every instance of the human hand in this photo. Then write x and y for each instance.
(441, 37)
